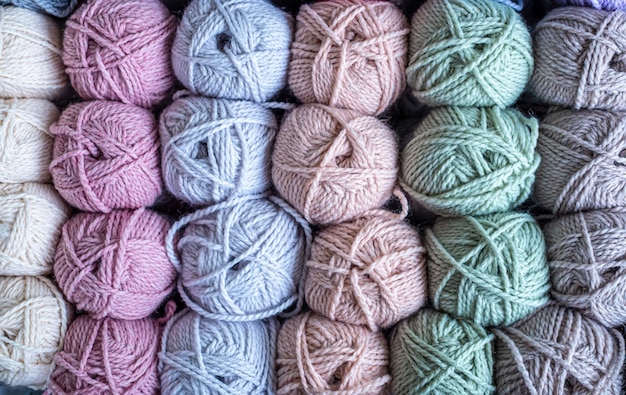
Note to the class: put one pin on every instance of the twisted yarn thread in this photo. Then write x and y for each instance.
(106, 156)
(216, 149)
(241, 260)
(580, 59)
(471, 161)
(344, 48)
(558, 351)
(587, 266)
(433, 353)
(233, 49)
(30, 226)
(333, 165)
(33, 320)
(582, 161)
(108, 356)
(30, 55)
(120, 50)
(25, 143)
(58, 8)
(608, 5)
(468, 53)
(317, 355)
(490, 269)
(115, 264)
(203, 356)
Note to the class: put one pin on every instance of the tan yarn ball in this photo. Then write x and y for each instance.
(33, 321)
(333, 165)
(30, 227)
(25, 143)
(320, 356)
(369, 271)
(349, 54)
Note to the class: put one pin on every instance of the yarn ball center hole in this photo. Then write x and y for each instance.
(223, 42)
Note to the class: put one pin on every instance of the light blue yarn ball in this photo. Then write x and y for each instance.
(241, 260)
(235, 49)
(216, 149)
(58, 8)
(200, 356)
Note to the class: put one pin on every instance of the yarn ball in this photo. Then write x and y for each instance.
(368, 271)
(203, 356)
(216, 149)
(471, 161)
(30, 226)
(433, 353)
(608, 5)
(58, 8)
(33, 321)
(236, 49)
(30, 55)
(115, 264)
(317, 355)
(468, 53)
(350, 54)
(582, 162)
(25, 143)
(120, 50)
(108, 356)
(580, 59)
(241, 260)
(490, 269)
(333, 165)
(106, 156)
(587, 265)
(558, 351)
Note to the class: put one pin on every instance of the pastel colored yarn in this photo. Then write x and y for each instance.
(106, 156)
(216, 149)
(120, 50)
(471, 161)
(558, 351)
(241, 260)
(333, 165)
(579, 59)
(345, 48)
(115, 265)
(317, 355)
(31, 217)
(433, 353)
(368, 271)
(108, 356)
(203, 356)
(33, 320)
(58, 8)
(25, 143)
(490, 269)
(582, 167)
(608, 5)
(586, 258)
(30, 55)
(233, 49)
(468, 53)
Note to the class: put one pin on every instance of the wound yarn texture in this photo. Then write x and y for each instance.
(349, 54)
(471, 161)
(216, 149)
(233, 49)
(468, 53)
(58, 8)
(608, 5)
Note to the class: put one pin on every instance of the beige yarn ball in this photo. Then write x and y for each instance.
(25, 143)
(30, 227)
(30, 55)
(33, 321)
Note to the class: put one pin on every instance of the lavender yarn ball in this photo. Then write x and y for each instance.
(58, 8)
(608, 5)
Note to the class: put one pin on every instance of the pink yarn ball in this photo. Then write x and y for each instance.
(115, 265)
(106, 156)
(120, 50)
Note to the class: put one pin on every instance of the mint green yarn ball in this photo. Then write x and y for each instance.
(468, 53)
(471, 161)
(434, 353)
(491, 270)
